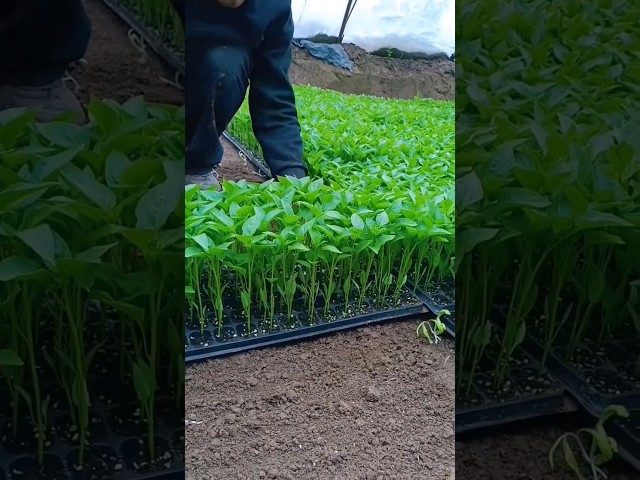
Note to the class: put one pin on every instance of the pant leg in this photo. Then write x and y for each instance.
(216, 83)
(40, 38)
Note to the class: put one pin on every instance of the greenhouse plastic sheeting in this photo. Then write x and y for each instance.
(416, 26)
(333, 54)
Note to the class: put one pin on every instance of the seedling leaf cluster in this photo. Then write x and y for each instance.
(548, 216)
(92, 242)
(375, 215)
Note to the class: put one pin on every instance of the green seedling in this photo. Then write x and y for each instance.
(567, 189)
(88, 214)
(432, 329)
(381, 215)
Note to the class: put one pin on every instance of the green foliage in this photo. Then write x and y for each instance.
(548, 177)
(91, 225)
(380, 216)
(601, 449)
(160, 17)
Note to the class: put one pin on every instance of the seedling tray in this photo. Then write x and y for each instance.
(529, 395)
(233, 337)
(439, 296)
(627, 434)
(148, 35)
(114, 447)
(600, 376)
(526, 408)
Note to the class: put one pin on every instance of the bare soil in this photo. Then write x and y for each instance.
(234, 168)
(378, 76)
(368, 404)
(115, 69)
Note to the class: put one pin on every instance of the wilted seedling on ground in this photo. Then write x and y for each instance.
(593, 455)
(432, 329)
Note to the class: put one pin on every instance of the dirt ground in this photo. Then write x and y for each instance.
(372, 403)
(383, 77)
(233, 167)
(115, 69)
(521, 453)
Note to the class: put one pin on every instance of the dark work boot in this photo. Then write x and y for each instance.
(206, 181)
(51, 100)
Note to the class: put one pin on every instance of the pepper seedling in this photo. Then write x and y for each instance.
(602, 448)
(432, 329)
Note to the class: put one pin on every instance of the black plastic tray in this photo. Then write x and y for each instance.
(282, 333)
(526, 408)
(551, 399)
(441, 298)
(110, 439)
(574, 381)
(147, 35)
(627, 434)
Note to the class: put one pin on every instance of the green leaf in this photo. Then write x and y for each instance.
(522, 197)
(334, 214)
(67, 135)
(250, 227)
(40, 239)
(382, 219)
(570, 458)
(16, 267)
(157, 205)
(143, 381)
(468, 239)
(53, 163)
(224, 218)
(357, 222)
(192, 252)
(86, 182)
(203, 240)
(597, 219)
(468, 190)
(9, 358)
(116, 164)
(19, 196)
(94, 254)
(331, 248)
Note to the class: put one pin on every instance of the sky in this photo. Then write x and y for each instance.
(426, 26)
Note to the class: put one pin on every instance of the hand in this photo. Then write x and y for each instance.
(231, 3)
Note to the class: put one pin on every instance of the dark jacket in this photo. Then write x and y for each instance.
(265, 27)
(40, 38)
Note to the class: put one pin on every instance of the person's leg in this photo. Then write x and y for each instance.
(46, 36)
(216, 80)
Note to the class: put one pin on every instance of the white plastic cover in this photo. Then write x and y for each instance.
(425, 26)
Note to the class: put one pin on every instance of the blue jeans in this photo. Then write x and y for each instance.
(217, 79)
